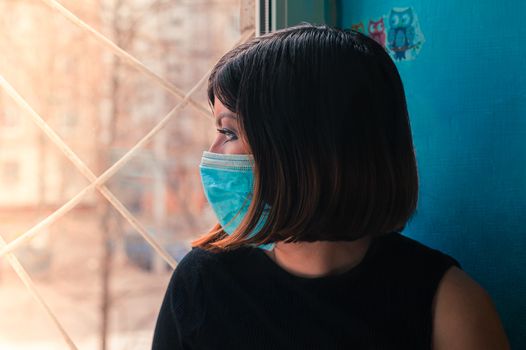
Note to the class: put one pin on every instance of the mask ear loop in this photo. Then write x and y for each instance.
(266, 208)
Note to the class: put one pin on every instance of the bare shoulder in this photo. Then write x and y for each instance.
(464, 316)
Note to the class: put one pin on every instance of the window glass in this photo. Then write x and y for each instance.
(100, 277)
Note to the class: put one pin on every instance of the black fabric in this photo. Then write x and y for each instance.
(241, 299)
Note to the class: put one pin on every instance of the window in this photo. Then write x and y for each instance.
(102, 271)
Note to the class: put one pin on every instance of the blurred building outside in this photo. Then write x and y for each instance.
(99, 275)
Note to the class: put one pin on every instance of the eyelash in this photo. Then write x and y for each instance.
(228, 133)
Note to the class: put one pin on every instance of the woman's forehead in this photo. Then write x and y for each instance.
(219, 107)
(220, 111)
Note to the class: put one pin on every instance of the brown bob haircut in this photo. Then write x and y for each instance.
(324, 113)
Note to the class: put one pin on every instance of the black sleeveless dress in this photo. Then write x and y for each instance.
(241, 299)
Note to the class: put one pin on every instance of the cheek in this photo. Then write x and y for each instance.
(236, 147)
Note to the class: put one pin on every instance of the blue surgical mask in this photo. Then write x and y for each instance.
(227, 182)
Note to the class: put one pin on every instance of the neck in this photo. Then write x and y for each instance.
(320, 258)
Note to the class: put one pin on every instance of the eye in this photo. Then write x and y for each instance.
(230, 135)
(405, 19)
(395, 20)
(380, 27)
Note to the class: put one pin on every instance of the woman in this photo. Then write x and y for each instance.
(312, 176)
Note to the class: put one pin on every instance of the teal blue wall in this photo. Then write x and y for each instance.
(466, 93)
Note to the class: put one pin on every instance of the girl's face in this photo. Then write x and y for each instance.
(229, 139)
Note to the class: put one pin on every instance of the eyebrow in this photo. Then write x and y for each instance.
(225, 115)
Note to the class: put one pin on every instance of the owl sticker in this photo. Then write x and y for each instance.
(377, 31)
(404, 37)
(358, 27)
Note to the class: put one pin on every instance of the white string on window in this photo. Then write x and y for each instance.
(124, 55)
(6, 249)
(28, 282)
